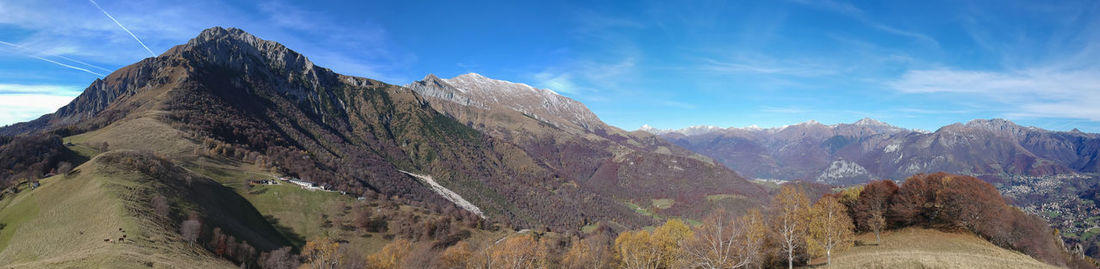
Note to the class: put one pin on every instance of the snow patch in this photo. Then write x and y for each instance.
(447, 194)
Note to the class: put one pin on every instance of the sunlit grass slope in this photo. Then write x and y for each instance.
(923, 248)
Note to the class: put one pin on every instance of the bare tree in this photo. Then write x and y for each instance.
(64, 167)
(160, 205)
(725, 242)
(190, 229)
(281, 258)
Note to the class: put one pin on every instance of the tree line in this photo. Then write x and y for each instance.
(790, 231)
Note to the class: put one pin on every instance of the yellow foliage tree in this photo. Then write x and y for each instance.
(791, 208)
(321, 253)
(515, 252)
(455, 257)
(589, 253)
(518, 251)
(391, 256)
(830, 228)
(659, 249)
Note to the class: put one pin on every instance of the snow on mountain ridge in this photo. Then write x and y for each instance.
(542, 104)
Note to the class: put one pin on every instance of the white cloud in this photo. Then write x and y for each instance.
(556, 82)
(19, 103)
(1032, 93)
(7, 88)
(587, 76)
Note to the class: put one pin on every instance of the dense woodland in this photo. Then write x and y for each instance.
(26, 158)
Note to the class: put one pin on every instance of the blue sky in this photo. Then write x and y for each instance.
(918, 64)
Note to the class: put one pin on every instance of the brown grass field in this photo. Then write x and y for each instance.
(924, 248)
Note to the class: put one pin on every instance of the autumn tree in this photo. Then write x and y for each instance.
(549, 252)
(790, 208)
(830, 228)
(723, 241)
(391, 256)
(321, 253)
(591, 252)
(456, 256)
(515, 252)
(870, 208)
(915, 202)
(970, 203)
(657, 249)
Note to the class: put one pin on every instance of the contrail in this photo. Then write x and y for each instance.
(123, 28)
(86, 64)
(55, 62)
(69, 66)
(59, 56)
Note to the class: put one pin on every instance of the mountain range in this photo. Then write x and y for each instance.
(870, 149)
(523, 156)
(200, 132)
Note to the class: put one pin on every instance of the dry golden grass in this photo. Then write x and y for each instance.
(64, 223)
(924, 248)
(145, 133)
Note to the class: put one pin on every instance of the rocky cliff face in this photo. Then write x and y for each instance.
(869, 149)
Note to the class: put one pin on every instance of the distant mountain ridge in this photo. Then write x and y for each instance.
(564, 135)
(871, 149)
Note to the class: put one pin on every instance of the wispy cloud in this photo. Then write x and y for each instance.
(1041, 93)
(587, 76)
(23, 49)
(123, 28)
(764, 65)
(859, 15)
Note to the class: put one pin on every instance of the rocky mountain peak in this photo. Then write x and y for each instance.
(871, 122)
(477, 82)
(474, 89)
(235, 48)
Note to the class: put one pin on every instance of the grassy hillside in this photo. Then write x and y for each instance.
(924, 248)
(64, 223)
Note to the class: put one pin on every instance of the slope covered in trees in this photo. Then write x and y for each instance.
(29, 157)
